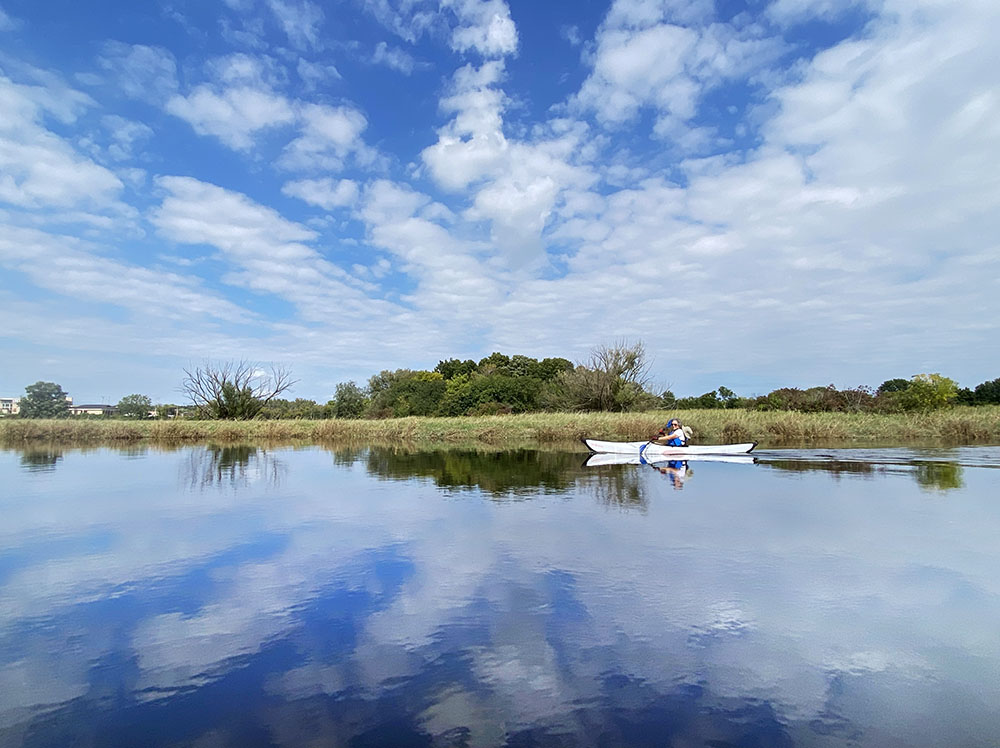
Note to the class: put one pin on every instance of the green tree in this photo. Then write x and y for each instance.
(727, 397)
(404, 392)
(452, 367)
(135, 406)
(894, 385)
(928, 392)
(44, 400)
(987, 393)
(349, 401)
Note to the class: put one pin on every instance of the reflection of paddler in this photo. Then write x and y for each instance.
(677, 470)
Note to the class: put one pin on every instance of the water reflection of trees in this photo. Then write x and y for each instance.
(236, 465)
(618, 486)
(939, 476)
(523, 472)
(40, 459)
(930, 475)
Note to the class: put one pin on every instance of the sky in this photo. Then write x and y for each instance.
(763, 194)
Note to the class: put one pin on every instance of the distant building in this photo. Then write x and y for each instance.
(10, 406)
(92, 410)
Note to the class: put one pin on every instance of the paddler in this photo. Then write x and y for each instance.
(671, 435)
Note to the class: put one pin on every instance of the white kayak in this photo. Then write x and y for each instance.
(647, 450)
(599, 459)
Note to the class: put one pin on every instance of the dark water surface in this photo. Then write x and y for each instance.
(239, 596)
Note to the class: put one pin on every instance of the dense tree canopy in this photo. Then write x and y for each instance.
(44, 400)
(135, 406)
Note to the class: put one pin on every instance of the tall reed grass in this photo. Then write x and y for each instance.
(961, 425)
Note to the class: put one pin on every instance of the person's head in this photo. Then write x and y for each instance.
(673, 423)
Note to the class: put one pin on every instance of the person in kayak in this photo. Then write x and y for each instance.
(671, 435)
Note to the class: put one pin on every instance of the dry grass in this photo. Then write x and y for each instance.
(955, 426)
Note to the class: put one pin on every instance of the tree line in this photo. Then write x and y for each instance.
(614, 378)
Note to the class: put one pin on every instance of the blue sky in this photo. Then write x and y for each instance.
(765, 194)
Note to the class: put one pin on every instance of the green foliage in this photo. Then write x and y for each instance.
(135, 406)
(453, 367)
(987, 393)
(894, 385)
(44, 400)
(928, 392)
(299, 408)
(708, 401)
(816, 400)
(403, 392)
(490, 394)
(349, 401)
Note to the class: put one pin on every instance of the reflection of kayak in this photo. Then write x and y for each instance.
(597, 459)
(648, 451)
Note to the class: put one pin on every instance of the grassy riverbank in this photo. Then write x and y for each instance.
(948, 427)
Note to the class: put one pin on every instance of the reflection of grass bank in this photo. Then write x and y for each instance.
(955, 426)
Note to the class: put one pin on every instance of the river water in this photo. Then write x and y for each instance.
(240, 596)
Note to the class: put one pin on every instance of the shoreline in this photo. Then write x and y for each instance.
(953, 427)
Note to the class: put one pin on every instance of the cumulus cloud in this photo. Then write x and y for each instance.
(471, 145)
(324, 193)
(484, 26)
(665, 57)
(328, 136)
(233, 115)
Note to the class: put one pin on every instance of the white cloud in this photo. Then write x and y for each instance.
(484, 26)
(70, 267)
(269, 254)
(409, 19)
(37, 167)
(324, 193)
(471, 145)
(666, 57)
(452, 288)
(329, 135)
(125, 133)
(789, 12)
(140, 71)
(233, 115)
(394, 58)
(300, 20)
(313, 74)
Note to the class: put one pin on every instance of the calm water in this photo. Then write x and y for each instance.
(250, 597)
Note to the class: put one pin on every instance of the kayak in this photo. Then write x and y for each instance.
(647, 450)
(601, 459)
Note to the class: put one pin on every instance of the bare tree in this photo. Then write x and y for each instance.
(234, 389)
(615, 378)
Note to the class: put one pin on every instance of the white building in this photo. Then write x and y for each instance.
(93, 410)
(10, 406)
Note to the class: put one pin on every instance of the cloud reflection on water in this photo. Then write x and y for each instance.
(766, 603)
